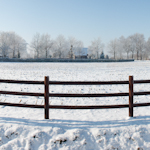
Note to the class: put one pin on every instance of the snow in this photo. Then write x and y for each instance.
(26, 128)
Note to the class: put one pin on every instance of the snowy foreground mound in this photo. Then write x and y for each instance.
(26, 128)
(65, 134)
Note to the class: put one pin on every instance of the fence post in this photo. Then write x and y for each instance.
(46, 96)
(130, 96)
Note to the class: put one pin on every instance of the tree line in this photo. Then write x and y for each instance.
(134, 46)
(43, 46)
(12, 45)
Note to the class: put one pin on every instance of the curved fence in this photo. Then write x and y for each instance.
(46, 94)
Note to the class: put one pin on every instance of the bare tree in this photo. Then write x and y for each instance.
(71, 44)
(17, 45)
(139, 41)
(75, 46)
(60, 46)
(147, 49)
(113, 47)
(21, 47)
(11, 44)
(120, 47)
(141, 45)
(96, 47)
(4, 43)
(36, 45)
(132, 45)
(79, 47)
(126, 46)
(46, 44)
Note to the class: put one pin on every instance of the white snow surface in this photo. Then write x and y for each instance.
(100, 129)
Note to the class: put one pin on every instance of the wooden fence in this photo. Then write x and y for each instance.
(46, 94)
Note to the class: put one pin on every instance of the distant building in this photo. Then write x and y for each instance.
(81, 53)
(102, 55)
(106, 57)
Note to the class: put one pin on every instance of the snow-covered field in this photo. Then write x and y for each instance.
(26, 128)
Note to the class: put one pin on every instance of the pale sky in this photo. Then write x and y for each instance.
(85, 20)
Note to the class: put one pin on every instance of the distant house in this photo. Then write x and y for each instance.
(102, 55)
(106, 57)
(81, 53)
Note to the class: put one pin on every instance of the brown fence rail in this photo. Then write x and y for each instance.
(46, 94)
